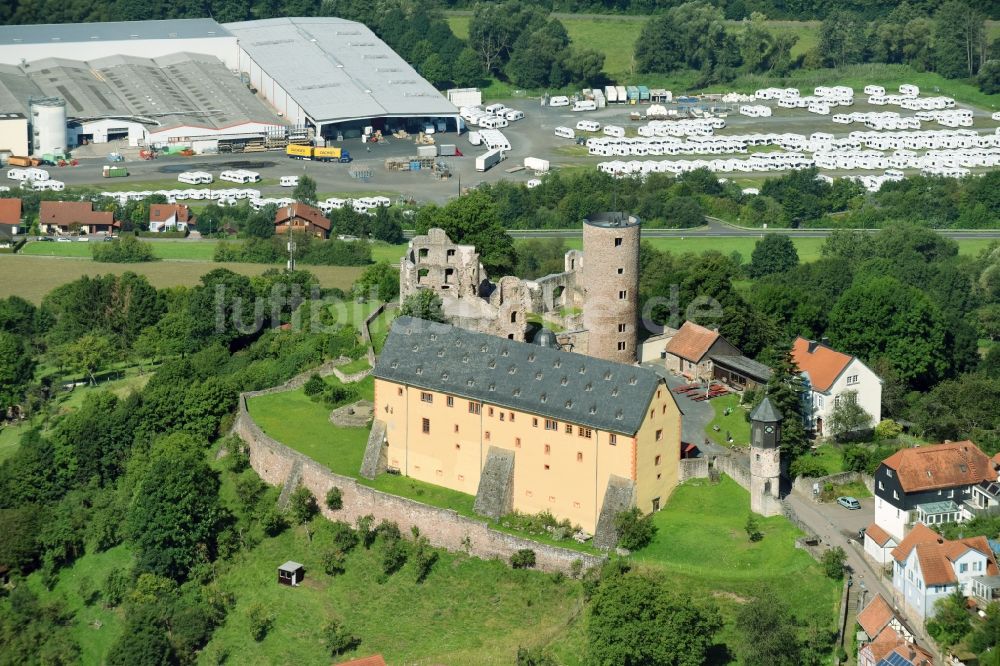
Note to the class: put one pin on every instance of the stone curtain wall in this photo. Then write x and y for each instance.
(693, 468)
(444, 528)
(804, 484)
(734, 470)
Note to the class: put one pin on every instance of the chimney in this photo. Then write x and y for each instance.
(812, 346)
(825, 340)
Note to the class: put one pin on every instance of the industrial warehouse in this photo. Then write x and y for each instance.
(193, 83)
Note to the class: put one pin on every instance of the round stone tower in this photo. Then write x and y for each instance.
(610, 280)
(765, 459)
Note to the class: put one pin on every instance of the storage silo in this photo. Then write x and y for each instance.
(48, 126)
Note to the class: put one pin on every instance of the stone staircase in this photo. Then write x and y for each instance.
(291, 483)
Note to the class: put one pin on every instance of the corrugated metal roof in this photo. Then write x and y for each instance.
(552, 383)
(204, 28)
(338, 70)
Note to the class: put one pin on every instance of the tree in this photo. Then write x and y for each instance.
(634, 619)
(683, 37)
(766, 634)
(986, 635)
(305, 191)
(124, 250)
(379, 281)
(833, 562)
(334, 499)
(848, 417)
(143, 641)
(960, 41)
(989, 77)
(841, 38)
(16, 370)
(775, 253)
(88, 355)
(259, 225)
(635, 530)
(752, 528)
(260, 621)
(302, 506)
(175, 514)
(436, 70)
(338, 639)
(467, 70)
(951, 621)
(882, 317)
(786, 389)
(473, 219)
(423, 304)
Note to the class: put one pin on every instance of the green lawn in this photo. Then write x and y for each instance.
(467, 611)
(380, 328)
(95, 628)
(830, 456)
(10, 436)
(701, 544)
(387, 252)
(191, 250)
(351, 312)
(356, 365)
(735, 423)
(808, 248)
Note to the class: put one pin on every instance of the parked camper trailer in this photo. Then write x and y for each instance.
(585, 105)
(494, 139)
(565, 133)
(489, 159)
(288, 181)
(588, 126)
(559, 100)
(536, 164)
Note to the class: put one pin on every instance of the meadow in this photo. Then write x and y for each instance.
(174, 250)
(32, 277)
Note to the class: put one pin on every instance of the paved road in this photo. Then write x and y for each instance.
(837, 526)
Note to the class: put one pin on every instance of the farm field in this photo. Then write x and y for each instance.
(31, 277)
(185, 250)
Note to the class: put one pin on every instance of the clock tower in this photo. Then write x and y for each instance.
(765, 459)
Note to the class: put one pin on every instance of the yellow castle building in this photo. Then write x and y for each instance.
(525, 427)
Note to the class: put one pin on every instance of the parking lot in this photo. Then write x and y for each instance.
(531, 137)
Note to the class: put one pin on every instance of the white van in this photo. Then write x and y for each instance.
(615, 131)
(588, 126)
(513, 114)
(559, 101)
(288, 181)
(585, 105)
(565, 133)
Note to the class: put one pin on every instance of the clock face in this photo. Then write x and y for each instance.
(769, 429)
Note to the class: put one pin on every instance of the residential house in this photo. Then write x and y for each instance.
(940, 483)
(66, 217)
(170, 217)
(829, 375)
(928, 568)
(690, 350)
(879, 545)
(301, 217)
(877, 616)
(10, 219)
(572, 431)
(891, 649)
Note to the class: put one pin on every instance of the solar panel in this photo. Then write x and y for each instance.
(895, 659)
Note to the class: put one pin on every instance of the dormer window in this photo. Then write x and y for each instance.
(564, 381)
(569, 404)
(607, 376)
(419, 370)
(531, 358)
(493, 364)
(538, 376)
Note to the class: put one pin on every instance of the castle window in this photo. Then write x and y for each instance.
(426, 426)
(547, 467)
(456, 428)
(426, 397)
(551, 425)
(548, 449)
(659, 436)
(517, 442)
(448, 274)
(513, 317)
(475, 408)
(612, 439)
(618, 241)
(586, 432)
(569, 429)
(534, 423)
(621, 271)
(664, 409)
(621, 328)
(450, 401)
(458, 447)
(449, 255)
(623, 294)
(399, 391)
(501, 416)
(656, 460)
(621, 345)
(651, 412)
(486, 435)
(511, 414)
(579, 457)
(491, 411)
(422, 253)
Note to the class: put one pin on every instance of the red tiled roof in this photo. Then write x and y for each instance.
(878, 535)
(940, 466)
(302, 211)
(823, 364)
(163, 212)
(10, 211)
(875, 616)
(889, 641)
(937, 556)
(374, 660)
(692, 342)
(935, 568)
(955, 549)
(70, 213)
(918, 535)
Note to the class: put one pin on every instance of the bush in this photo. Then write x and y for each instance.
(115, 588)
(338, 639)
(342, 536)
(334, 499)
(124, 250)
(272, 522)
(833, 562)
(888, 429)
(334, 562)
(260, 621)
(752, 528)
(394, 554)
(302, 506)
(314, 386)
(635, 530)
(523, 559)
(808, 466)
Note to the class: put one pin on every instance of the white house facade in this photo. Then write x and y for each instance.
(831, 376)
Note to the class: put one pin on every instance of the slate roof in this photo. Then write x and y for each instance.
(766, 412)
(552, 383)
(743, 365)
(940, 466)
(822, 364)
(692, 342)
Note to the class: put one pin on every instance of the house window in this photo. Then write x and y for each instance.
(664, 410)
(656, 461)
(399, 391)
(511, 415)
(659, 436)
(517, 442)
(534, 422)
(612, 439)
(450, 401)
(548, 449)
(880, 486)
(658, 393)
(618, 241)
(426, 397)
(475, 408)
(501, 416)
(651, 412)
(490, 411)
(426, 427)
(579, 457)
(962, 568)
(888, 472)
(486, 435)
(569, 429)
(852, 380)
(585, 432)
(895, 495)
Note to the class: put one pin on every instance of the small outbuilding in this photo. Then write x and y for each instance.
(291, 573)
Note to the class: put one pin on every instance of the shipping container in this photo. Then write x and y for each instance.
(643, 94)
(611, 93)
(427, 151)
(488, 160)
(537, 164)
(448, 150)
(114, 171)
(326, 154)
(299, 152)
(633, 94)
(622, 94)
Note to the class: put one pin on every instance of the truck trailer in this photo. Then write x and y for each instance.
(489, 159)
(114, 171)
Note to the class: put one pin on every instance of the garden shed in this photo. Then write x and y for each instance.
(291, 573)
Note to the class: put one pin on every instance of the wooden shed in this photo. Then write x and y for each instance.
(291, 573)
